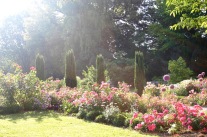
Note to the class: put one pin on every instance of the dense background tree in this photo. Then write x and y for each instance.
(113, 28)
(192, 14)
(12, 41)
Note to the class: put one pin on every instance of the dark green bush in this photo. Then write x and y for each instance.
(91, 115)
(81, 114)
(127, 122)
(100, 119)
(128, 117)
(119, 120)
(11, 109)
(178, 70)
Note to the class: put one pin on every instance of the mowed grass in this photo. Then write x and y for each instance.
(51, 124)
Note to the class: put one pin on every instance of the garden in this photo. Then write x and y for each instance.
(157, 108)
(103, 68)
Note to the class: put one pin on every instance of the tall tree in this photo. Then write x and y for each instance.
(12, 44)
(139, 73)
(100, 68)
(40, 67)
(70, 70)
(192, 14)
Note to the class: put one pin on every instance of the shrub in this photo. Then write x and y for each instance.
(100, 68)
(69, 108)
(135, 122)
(119, 120)
(110, 111)
(11, 109)
(19, 88)
(89, 78)
(180, 89)
(151, 89)
(139, 73)
(70, 70)
(121, 70)
(178, 70)
(91, 115)
(81, 113)
(100, 119)
(40, 63)
(193, 87)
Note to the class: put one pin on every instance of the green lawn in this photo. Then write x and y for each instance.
(50, 124)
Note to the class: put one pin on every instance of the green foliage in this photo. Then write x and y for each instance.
(70, 70)
(89, 78)
(40, 67)
(178, 70)
(20, 89)
(185, 86)
(81, 113)
(10, 109)
(100, 68)
(119, 120)
(91, 115)
(139, 73)
(121, 70)
(110, 111)
(69, 108)
(135, 122)
(100, 119)
(191, 13)
(151, 89)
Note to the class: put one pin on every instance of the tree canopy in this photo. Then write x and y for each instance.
(113, 28)
(192, 13)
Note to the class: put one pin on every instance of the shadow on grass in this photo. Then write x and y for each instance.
(39, 116)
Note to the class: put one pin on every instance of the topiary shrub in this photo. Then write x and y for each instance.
(100, 119)
(119, 120)
(178, 70)
(40, 63)
(100, 68)
(70, 70)
(139, 73)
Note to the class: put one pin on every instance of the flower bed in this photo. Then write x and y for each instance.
(160, 109)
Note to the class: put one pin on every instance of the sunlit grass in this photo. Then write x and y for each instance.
(50, 124)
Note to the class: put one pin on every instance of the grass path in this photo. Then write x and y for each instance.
(50, 124)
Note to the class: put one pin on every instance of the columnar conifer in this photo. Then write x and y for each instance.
(40, 63)
(139, 73)
(100, 68)
(70, 70)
